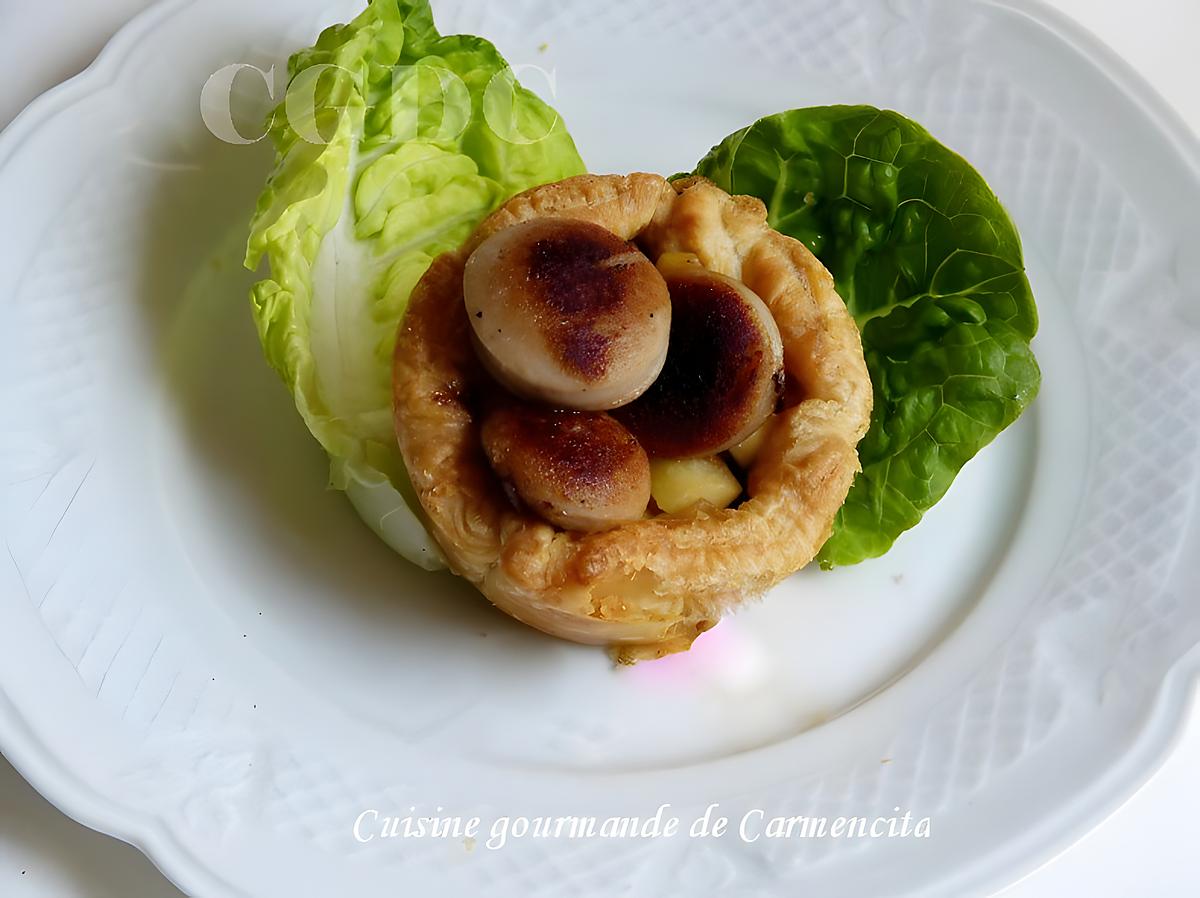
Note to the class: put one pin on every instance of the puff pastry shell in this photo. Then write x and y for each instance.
(648, 588)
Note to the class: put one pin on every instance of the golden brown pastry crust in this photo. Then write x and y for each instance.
(647, 588)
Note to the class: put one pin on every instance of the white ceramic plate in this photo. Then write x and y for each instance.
(204, 652)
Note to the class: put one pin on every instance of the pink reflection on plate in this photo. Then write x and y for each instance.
(728, 654)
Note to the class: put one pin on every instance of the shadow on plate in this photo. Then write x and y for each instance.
(54, 855)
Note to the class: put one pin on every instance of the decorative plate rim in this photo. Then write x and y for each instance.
(1154, 742)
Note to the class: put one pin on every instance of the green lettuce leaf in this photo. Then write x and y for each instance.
(930, 266)
(392, 143)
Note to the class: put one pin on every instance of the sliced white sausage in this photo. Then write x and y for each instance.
(724, 371)
(567, 313)
(576, 470)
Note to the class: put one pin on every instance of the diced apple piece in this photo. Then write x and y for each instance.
(678, 484)
(747, 450)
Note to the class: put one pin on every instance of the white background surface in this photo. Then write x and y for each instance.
(1147, 848)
